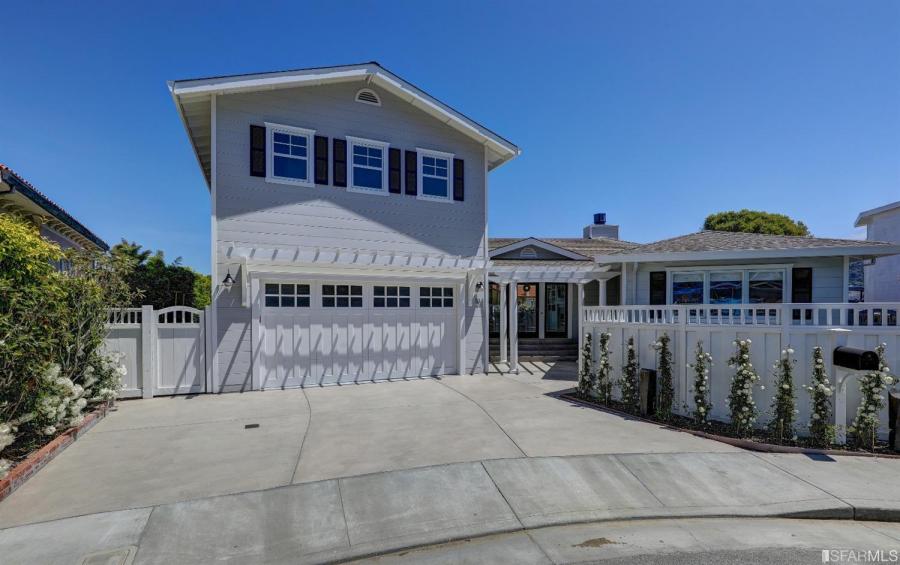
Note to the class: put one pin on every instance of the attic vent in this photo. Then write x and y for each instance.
(367, 96)
(528, 253)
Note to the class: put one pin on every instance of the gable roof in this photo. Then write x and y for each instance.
(865, 217)
(18, 184)
(586, 248)
(192, 98)
(734, 245)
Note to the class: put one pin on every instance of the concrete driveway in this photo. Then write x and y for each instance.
(165, 450)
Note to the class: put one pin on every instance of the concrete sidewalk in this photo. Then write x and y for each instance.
(340, 519)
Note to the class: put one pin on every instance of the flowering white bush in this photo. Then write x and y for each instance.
(740, 400)
(821, 430)
(666, 390)
(701, 365)
(604, 368)
(586, 376)
(629, 384)
(871, 385)
(784, 408)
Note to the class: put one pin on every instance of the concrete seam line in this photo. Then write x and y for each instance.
(488, 414)
(868, 527)
(815, 486)
(503, 496)
(638, 479)
(305, 433)
(539, 546)
(344, 513)
(143, 531)
(186, 424)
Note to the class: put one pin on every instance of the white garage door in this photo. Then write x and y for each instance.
(325, 333)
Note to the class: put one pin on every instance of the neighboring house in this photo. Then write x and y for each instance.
(19, 196)
(882, 276)
(349, 236)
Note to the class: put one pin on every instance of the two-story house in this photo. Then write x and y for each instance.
(349, 238)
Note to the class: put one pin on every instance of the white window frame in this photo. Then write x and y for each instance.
(420, 174)
(309, 134)
(745, 271)
(384, 146)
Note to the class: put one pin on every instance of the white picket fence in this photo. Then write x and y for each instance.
(165, 350)
(771, 328)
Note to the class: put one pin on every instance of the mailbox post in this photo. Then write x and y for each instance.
(848, 362)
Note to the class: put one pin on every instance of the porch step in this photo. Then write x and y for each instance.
(535, 349)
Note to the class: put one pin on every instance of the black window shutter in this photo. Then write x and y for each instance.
(801, 285)
(411, 166)
(321, 149)
(394, 173)
(340, 162)
(459, 183)
(257, 151)
(657, 287)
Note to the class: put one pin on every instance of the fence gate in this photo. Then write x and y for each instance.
(180, 351)
(165, 350)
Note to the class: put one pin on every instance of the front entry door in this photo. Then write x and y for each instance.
(556, 311)
(528, 305)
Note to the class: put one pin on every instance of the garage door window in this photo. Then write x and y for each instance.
(391, 297)
(287, 295)
(436, 297)
(341, 296)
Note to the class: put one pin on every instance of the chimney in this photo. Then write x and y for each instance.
(600, 228)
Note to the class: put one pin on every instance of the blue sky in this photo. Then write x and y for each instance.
(657, 113)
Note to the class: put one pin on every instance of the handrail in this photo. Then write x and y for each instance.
(863, 314)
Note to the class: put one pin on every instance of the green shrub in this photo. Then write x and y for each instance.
(52, 327)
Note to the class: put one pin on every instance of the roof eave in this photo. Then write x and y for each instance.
(683, 256)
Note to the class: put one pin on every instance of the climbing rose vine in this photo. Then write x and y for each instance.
(664, 384)
(871, 385)
(604, 380)
(740, 400)
(586, 376)
(821, 431)
(784, 408)
(628, 384)
(702, 363)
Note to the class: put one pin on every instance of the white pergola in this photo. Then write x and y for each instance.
(508, 274)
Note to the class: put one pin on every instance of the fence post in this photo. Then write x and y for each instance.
(208, 357)
(148, 351)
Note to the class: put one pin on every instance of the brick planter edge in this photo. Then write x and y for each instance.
(26, 468)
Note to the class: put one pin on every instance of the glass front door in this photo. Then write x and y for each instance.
(556, 312)
(527, 301)
(494, 303)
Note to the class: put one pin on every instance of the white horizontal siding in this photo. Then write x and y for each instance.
(252, 211)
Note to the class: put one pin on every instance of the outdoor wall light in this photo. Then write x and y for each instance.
(228, 281)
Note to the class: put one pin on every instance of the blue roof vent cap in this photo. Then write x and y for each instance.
(600, 218)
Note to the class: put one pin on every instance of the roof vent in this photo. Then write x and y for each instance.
(600, 218)
(367, 96)
(528, 253)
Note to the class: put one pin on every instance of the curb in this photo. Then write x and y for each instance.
(747, 444)
(26, 468)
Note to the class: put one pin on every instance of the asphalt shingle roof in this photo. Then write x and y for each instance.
(732, 241)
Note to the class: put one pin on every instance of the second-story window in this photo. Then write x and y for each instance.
(368, 172)
(290, 154)
(434, 174)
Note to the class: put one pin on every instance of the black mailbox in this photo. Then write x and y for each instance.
(856, 359)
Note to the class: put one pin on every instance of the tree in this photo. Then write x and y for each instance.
(740, 401)
(752, 221)
(159, 283)
(783, 403)
(629, 384)
(702, 363)
(664, 367)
